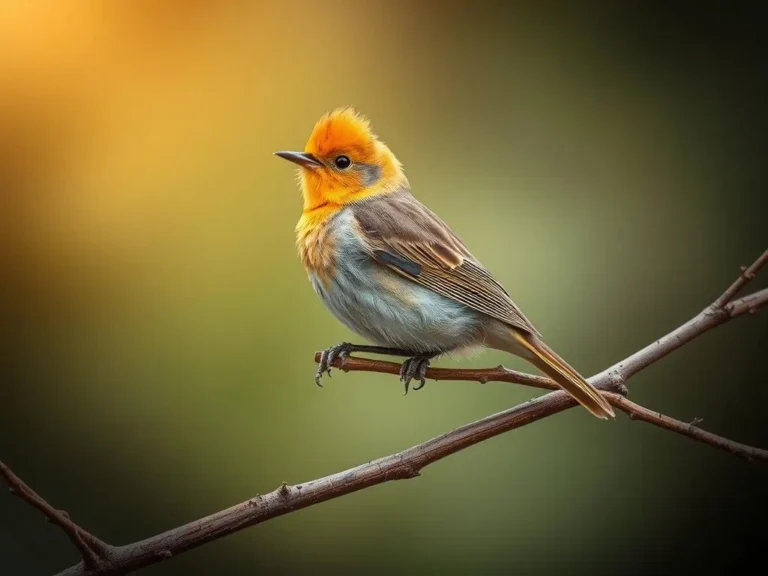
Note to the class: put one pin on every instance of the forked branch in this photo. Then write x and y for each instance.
(409, 463)
(93, 550)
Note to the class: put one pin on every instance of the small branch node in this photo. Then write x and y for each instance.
(284, 491)
(695, 422)
(713, 309)
(747, 274)
(164, 554)
(616, 380)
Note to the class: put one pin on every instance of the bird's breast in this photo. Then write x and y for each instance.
(317, 244)
(373, 300)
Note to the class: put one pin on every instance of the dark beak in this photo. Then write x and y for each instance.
(301, 158)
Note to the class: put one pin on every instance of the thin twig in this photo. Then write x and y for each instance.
(748, 304)
(706, 320)
(93, 550)
(410, 462)
(481, 375)
(637, 412)
(747, 275)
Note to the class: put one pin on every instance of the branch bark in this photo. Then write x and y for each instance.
(409, 463)
(93, 550)
(748, 274)
(691, 429)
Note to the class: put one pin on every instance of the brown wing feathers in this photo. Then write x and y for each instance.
(409, 238)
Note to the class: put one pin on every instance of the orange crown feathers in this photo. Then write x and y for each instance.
(342, 129)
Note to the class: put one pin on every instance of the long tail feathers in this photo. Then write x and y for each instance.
(546, 360)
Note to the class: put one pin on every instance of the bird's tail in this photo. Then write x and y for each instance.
(546, 360)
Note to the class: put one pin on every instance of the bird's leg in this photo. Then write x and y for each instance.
(415, 367)
(342, 352)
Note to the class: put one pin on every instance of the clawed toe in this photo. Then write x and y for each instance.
(415, 367)
(327, 357)
(341, 352)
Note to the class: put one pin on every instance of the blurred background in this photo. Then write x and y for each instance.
(606, 163)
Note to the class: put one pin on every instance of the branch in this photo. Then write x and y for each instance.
(747, 275)
(93, 550)
(409, 463)
(637, 412)
(749, 304)
(481, 375)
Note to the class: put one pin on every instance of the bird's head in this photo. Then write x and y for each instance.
(344, 162)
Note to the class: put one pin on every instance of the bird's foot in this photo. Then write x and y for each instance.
(415, 367)
(342, 352)
(327, 356)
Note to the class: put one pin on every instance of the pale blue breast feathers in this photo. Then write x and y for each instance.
(386, 308)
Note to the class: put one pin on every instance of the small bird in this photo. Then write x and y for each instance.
(393, 272)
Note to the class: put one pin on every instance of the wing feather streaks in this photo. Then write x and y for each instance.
(410, 239)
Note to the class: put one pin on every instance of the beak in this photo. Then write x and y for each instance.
(303, 159)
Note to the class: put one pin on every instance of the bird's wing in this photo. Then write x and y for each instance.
(404, 235)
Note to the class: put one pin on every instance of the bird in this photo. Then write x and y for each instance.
(394, 273)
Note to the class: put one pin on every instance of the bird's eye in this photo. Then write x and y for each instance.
(342, 162)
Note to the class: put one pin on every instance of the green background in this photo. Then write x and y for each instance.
(606, 165)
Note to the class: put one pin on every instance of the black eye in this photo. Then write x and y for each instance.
(342, 162)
